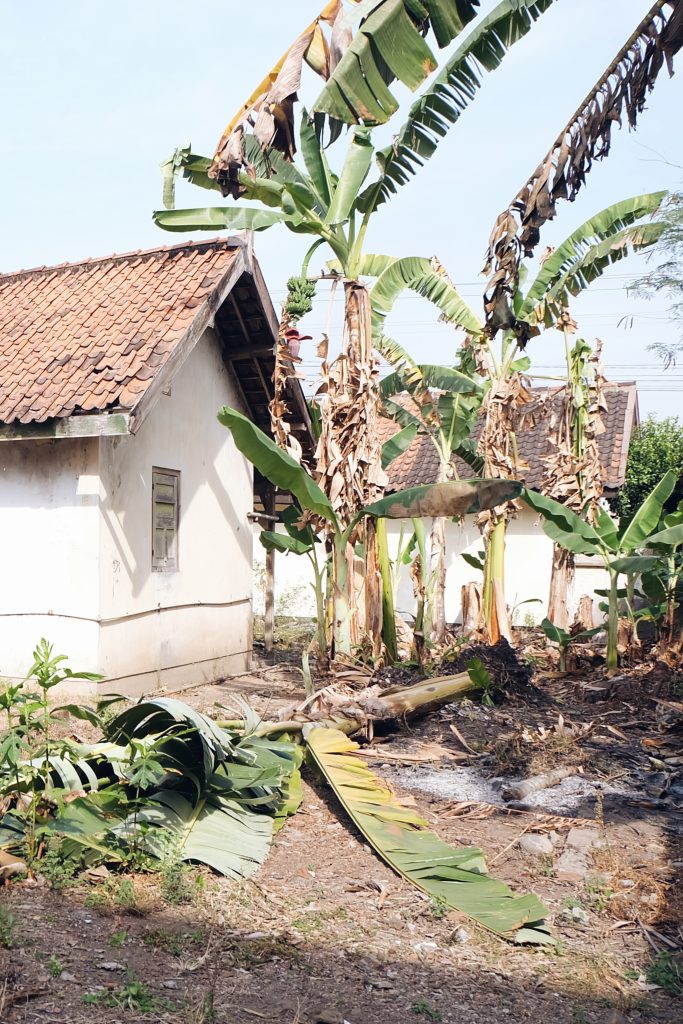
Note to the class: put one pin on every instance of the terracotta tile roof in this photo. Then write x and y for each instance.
(419, 464)
(92, 336)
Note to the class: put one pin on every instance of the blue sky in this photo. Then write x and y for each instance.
(96, 95)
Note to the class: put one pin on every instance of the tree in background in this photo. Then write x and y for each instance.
(656, 446)
(667, 276)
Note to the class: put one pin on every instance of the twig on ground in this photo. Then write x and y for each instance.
(510, 844)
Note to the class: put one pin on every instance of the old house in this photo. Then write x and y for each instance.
(125, 536)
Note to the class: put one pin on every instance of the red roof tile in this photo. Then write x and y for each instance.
(419, 464)
(92, 336)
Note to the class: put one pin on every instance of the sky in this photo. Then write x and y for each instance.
(97, 95)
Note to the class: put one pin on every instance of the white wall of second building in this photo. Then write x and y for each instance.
(528, 565)
(194, 624)
(49, 551)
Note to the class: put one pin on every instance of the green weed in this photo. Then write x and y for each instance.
(55, 967)
(7, 925)
(425, 1010)
(134, 995)
(666, 972)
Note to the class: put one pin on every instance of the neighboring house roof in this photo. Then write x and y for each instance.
(419, 464)
(104, 337)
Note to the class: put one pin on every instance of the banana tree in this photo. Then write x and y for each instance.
(454, 498)
(573, 472)
(620, 93)
(617, 548)
(302, 539)
(607, 237)
(369, 47)
(442, 404)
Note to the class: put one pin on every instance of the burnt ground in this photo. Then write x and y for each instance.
(325, 932)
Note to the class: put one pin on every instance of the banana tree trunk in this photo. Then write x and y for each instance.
(561, 580)
(419, 573)
(437, 572)
(349, 469)
(612, 623)
(388, 625)
(496, 619)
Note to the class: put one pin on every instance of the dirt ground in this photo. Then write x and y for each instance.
(326, 933)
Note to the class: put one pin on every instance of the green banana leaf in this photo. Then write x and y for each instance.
(608, 528)
(419, 275)
(635, 563)
(354, 172)
(672, 536)
(646, 518)
(554, 634)
(451, 91)
(591, 265)
(563, 526)
(442, 378)
(218, 218)
(389, 44)
(315, 161)
(274, 464)
(272, 541)
(216, 830)
(601, 226)
(450, 499)
(398, 444)
(400, 837)
(183, 736)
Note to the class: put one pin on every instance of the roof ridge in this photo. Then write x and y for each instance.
(236, 241)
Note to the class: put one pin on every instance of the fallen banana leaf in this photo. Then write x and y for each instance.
(455, 876)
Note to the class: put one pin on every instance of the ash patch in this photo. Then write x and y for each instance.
(575, 796)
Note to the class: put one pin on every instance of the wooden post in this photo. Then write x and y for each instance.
(269, 616)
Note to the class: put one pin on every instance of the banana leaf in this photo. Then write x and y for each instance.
(671, 537)
(399, 835)
(218, 218)
(648, 514)
(424, 278)
(184, 736)
(601, 226)
(398, 444)
(274, 464)
(563, 526)
(450, 499)
(272, 541)
(452, 90)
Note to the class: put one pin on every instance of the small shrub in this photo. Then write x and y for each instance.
(176, 882)
(55, 966)
(55, 868)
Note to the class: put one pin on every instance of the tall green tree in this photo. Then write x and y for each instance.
(666, 277)
(656, 447)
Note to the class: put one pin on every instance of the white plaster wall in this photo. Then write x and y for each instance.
(177, 628)
(49, 528)
(293, 578)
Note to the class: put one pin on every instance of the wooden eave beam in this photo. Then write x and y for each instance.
(100, 425)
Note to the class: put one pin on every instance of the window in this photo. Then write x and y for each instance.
(165, 507)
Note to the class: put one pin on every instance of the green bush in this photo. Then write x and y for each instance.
(656, 446)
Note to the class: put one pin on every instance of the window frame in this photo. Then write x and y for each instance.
(167, 564)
